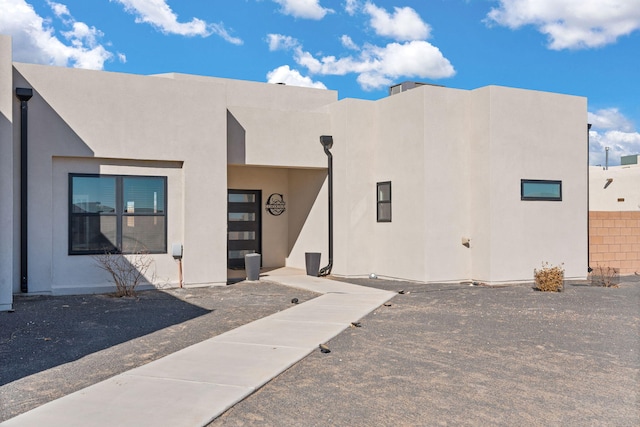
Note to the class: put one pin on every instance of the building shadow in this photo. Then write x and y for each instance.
(44, 331)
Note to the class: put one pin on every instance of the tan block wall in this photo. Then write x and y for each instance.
(614, 240)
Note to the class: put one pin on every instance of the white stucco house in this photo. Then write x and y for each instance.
(429, 184)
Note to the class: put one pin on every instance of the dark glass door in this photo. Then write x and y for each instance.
(243, 225)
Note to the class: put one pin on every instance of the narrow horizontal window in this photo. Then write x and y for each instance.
(242, 198)
(242, 235)
(240, 254)
(242, 216)
(539, 189)
(383, 201)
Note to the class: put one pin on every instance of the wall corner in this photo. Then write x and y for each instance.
(7, 164)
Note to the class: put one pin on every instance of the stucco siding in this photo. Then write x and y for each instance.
(455, 159)
(399, 157)
(275, 229)
(446, 184)
(308, 224)
(354, 133)
(536, 135)
(614, 218)
(80, 273)
(266, 96)
(8, 199)
(480, 173)
(132, 118)
(614, 189)
(280, 138)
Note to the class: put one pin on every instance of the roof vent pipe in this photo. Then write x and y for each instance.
(24, 95)
(327, 143)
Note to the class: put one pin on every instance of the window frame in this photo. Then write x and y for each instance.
(523, 196)
(119, 213)
(380, 202)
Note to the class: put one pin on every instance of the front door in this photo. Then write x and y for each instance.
(243, 226)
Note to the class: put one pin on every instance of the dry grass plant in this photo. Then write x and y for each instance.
(127, 271)
(549, 278)
(609, 277)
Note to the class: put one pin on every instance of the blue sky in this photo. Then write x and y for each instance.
(588, 48)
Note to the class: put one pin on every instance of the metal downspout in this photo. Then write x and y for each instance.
(24, 95)
(589, 269)
(327, 143)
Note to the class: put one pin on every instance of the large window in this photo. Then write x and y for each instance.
(383, 198)
(538, 189)
(123, 214)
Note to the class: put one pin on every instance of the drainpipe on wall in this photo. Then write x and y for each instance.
(327, 143)
(24, 95)
(589, 269)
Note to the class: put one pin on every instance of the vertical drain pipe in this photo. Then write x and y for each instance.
(589, 269)
(24, 95)
(327, 143)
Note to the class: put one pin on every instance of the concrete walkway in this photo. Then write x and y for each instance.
(197, 384)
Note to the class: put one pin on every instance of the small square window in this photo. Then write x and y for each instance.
(539, 189)
(383, 199)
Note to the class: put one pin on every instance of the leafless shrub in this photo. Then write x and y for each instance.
(609, 277)
(549, 278)
(127, 271)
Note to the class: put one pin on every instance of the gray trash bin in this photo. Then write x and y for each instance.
(312, 262)
(252, 266)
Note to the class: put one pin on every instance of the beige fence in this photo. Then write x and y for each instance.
(614, 240)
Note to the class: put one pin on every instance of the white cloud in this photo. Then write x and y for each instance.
(414, 59)
(34, 38)
(348, 42)
(379, 66)
(60, 10)
(571, 24)
(281, 42)
(610, 118)
(220, 30)
(375, 66)
(611, 129)
(619, 143)
(403, 24)
(286, 75)
(351, 6)
(158, 14)
(308, 9)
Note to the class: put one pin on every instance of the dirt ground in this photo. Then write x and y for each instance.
(53, 346)
(459, 355)
(440, 354)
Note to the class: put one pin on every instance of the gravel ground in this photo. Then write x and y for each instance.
(440, 354)
(462, 355)
(53, 346)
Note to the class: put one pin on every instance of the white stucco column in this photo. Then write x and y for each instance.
(6, 176)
